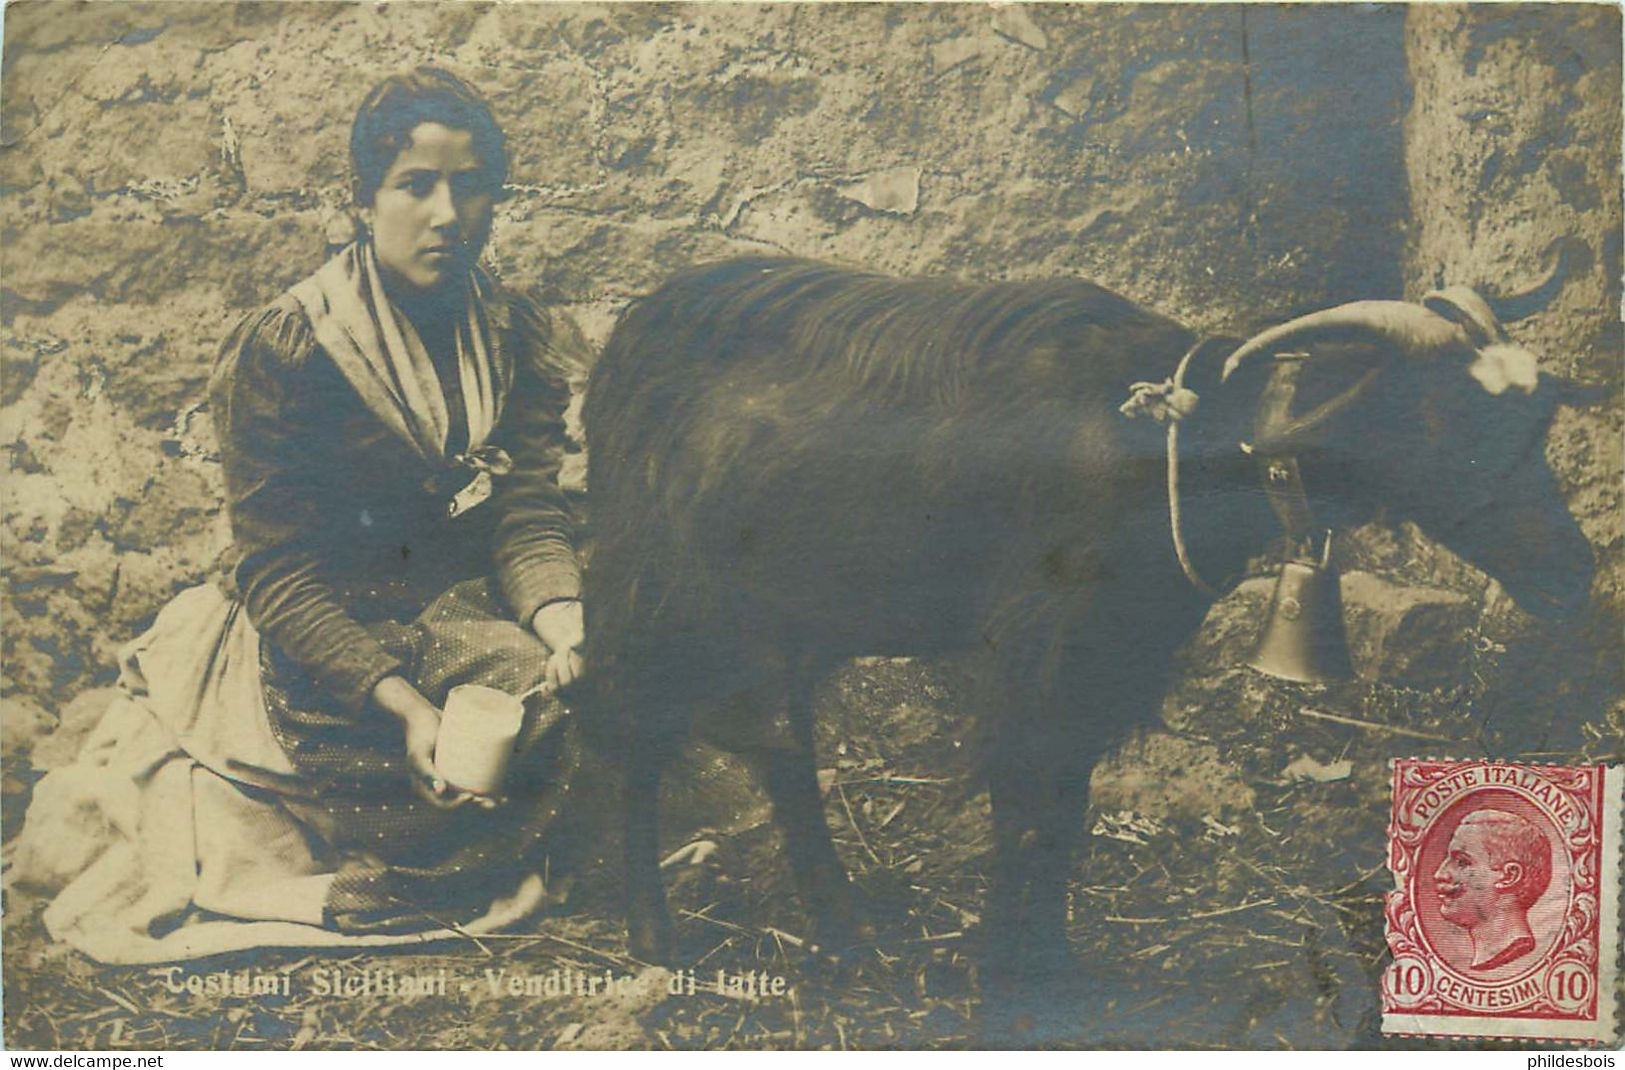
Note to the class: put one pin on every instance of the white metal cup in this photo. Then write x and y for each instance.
(476, 738)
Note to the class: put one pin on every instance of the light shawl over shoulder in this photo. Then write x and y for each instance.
(339, 521)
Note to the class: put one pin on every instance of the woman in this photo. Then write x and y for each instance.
(391, 429)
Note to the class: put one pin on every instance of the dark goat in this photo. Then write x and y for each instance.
(793, 463)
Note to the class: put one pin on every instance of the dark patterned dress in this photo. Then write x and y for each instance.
(352, 568)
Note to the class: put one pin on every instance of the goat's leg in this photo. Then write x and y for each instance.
(825, 888)
(1061, 769)
(1049, 844)
(1039, 790)
(648, 922)
(1008, 1003)
(1014, 796)
(1006, 888)
(789, 775)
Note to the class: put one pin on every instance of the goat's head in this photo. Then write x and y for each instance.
(1431, 413)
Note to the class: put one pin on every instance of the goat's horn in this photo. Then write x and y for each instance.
(1406, 325)
(1466, 307)
(1565, 255)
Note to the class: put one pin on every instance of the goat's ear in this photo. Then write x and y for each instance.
(1575, 393)
(1497, 363)
(1503, 366)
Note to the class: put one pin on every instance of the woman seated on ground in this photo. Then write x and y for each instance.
(391, 429)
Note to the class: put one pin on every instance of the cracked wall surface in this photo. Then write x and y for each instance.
(1513, 141)
(168, 167)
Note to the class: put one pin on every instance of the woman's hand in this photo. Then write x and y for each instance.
(560, 628)
(420, 720)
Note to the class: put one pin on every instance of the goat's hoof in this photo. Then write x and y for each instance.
(837, 935)
(651, 941)
(845, 934)
(1042, 1000)
(844, 924)
(1008, 1019)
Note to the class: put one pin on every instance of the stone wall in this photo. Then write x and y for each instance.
(1513, 140)
(168, 167)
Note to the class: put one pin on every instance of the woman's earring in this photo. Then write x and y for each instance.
(341, 227)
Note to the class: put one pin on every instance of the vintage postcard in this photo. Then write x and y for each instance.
(810, 526)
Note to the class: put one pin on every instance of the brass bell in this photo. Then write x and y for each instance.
(1304, 639)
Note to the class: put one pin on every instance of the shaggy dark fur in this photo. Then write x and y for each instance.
(759, 426)
(793, 463)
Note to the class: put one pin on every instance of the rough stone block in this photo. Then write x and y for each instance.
(896, 192)
(1407, 635)
(1401, 635)
(946, 55)
(147, 261)
(23, 723)
(1015, 23)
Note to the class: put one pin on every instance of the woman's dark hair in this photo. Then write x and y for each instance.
(396, 105)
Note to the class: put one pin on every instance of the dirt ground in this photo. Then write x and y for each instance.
(1228, 894)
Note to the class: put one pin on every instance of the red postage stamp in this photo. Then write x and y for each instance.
(1504, 921)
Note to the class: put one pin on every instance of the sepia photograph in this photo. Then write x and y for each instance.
(811, 526)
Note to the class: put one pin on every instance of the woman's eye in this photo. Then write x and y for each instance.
(418, 185)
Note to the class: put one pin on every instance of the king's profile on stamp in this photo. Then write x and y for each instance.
(1496, 867)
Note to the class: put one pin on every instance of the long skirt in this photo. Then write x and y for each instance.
(405, 861)
(225, 802)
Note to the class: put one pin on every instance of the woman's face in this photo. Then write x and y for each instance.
(431, 215)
